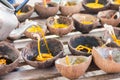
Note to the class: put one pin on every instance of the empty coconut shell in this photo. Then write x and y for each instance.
(24, 13)
(11, 55)
(85, 28)
(85, 40)
(61, 20)
(106, 4)
(73, 71)
(105, 61)
(30, 52)
(45, 12)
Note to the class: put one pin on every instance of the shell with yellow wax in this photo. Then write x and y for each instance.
(61, 26)
(105, 5)
(30, 52)
(24, 13)
(36, 29)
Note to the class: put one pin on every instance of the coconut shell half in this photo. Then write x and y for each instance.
(88, 40)
(72, 71)
(45, 12)
(30, 52)
(11, 55)
(27, 12)
(62, 20)
(104, 61)
(84, 28)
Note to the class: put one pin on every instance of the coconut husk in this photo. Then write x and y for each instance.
(68, 10)
(30, 52)
(106, 4)
(72, 71)
(104, 61)
(83, 27)
(27, 9)
(45, 12)
(60, 31)
(89, 40)
(11, 54)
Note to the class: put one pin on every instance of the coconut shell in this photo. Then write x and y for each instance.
(107, 65)
(30, 52)
(106, 4)
(68, 10)
(7, 49)
(45, 12)
(60, 31)
(72, 71)
(89, 40)
(30, 34)
(108, 17)
(83, 27)
(27, 9)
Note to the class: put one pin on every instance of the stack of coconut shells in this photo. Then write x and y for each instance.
(71, 14)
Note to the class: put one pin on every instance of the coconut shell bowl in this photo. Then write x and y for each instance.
(107, 59)
(9, 57)
(24, 13)
(77, 67)
(110, 17)
(85, 22)
(104, 4)
(39, 29)
(45, 12)
(115, 4)
(30, 53)
(79, 44)
(70, 7)
(57, 30)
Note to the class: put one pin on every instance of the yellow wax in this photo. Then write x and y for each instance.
(115, 39)
(94, 5)
(81, 47)
(41, 56)
(117, 2)
(2, 61)
(67, 60)
(86, 22)
(96, 1)
(45, 3)
(19, 12)
(57, 25)
(34, 29)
